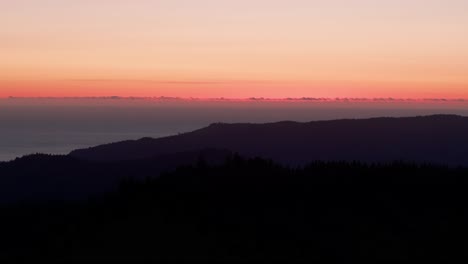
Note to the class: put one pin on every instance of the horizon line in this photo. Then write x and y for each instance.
(266, 99)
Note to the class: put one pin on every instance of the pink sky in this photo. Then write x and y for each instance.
(243, 48)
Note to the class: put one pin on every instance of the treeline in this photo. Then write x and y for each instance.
(252, 210)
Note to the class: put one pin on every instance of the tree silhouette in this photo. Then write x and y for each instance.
(248, 210)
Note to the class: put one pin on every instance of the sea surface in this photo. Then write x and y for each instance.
(58, 126)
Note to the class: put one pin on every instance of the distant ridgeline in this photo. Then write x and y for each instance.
(439, 139)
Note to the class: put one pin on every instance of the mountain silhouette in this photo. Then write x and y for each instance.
(190, 197)
(440, 139)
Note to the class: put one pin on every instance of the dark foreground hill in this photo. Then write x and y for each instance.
(47, 177)
(254, 210)
(441, 139)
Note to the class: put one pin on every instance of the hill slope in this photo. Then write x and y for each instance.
(438, 139)
(46, 177)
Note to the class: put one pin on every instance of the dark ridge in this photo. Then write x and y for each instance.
(45, 178)
(436, 139)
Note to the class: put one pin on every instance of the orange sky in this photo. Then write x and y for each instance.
(243, 48)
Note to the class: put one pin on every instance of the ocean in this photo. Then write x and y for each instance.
(58, 126)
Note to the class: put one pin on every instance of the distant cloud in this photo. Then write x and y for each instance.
(193, 82)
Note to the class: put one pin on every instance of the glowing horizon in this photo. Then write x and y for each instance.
(234, 49)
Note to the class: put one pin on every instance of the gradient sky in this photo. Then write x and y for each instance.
(242, 48)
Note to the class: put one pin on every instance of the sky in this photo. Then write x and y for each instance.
(234, 49)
